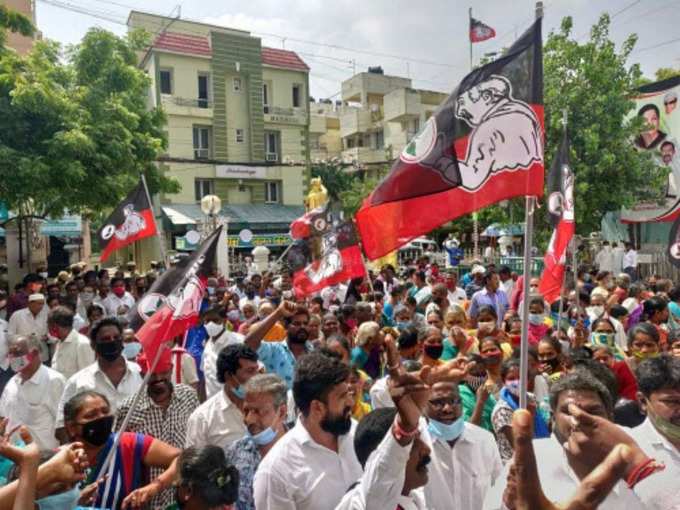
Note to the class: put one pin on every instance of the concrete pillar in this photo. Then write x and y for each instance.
(16, 268)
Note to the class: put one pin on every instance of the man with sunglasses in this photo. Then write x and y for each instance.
(111, 374)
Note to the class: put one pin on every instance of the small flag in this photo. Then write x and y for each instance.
(480, 32)
(561, 208)
(325, 252)
(172, 304)
(131, 221)
(484, 144)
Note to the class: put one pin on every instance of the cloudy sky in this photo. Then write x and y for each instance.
(425, 40)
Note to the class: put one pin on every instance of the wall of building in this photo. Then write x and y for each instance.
(20, 43)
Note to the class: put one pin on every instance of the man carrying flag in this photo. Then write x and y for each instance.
(561, 207)
(131, 221)
(480, 32)
(484, 144)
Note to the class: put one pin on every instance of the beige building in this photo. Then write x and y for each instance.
(20, 43)
(238, 125)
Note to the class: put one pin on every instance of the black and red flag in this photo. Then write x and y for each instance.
(326, 252)
(484, 144)
(480, 31)
(172, 304)
(131, 221)
(561, 207)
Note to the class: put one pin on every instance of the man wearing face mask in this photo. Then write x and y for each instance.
(73, 351)
(477, 394)
(162, 412)
(491, 295)
(219, 420)
(31, 395)
(111, 374)
(281, 357)
(465, 460)
(218, 338)
(120, 301)
(264, 413)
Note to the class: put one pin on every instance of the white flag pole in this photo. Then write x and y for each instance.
(159, 234)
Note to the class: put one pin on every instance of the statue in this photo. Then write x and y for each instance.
(317, 196)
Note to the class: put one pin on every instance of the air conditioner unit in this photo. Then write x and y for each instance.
(201, 153)
(272, 156)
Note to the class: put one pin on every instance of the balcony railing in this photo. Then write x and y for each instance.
(188, 102)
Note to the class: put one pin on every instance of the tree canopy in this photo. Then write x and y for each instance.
(75, 129)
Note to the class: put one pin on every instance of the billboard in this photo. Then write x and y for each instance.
(657, 104)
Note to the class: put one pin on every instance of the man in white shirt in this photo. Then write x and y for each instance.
(630, 262)
(314, 464)
(617, 257)
(250, 297)
(456, 294)
(31, 396)
(219, 420)
(465, 458)
(111, 374)
(31, 321)
(506, 281)
(73, 351)
(119, 301)
(219, 337)
(604, 259)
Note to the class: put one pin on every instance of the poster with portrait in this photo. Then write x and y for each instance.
(657, 104)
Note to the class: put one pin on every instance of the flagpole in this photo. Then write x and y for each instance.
(528, 239)
(153, 213)
(565, 116)
(470, 38)
(475, 217)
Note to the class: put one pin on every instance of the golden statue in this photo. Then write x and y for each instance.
(317, 196)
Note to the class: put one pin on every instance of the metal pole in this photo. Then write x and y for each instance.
(565, 117)
(469, 38)
(153, 213)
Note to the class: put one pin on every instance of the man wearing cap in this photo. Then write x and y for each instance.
(163, 412)
(32, 322)
(31, 284)
(476, 284)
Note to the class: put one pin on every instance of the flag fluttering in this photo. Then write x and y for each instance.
(131, 221)
(484, 144)
(172, 304)
(480, 32)
(561, 208)
(326, 252)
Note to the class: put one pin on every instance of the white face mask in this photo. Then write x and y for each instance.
(595, 312)
(486, 327)
(43, 274)
(213, 329)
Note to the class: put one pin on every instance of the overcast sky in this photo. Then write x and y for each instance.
(429, 36)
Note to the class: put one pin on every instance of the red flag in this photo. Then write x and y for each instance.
(561, 207)
(328, 254)
(131, 221)
(480, 32)
(172, 304)
(484, 144)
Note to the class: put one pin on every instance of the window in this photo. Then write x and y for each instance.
(416, 125)
(166, 81)
(271, 146)
(265, 97)
(297, 89)
(237, 84)
(203, 187)
(271, 192)
(201, 142)
(203, 94)
(379, 140)
(240, 136)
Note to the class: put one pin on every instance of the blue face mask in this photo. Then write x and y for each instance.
(239, 392)
(131, 350)
(444, 431)
(68, 499)
(265, 437)
(402, 325)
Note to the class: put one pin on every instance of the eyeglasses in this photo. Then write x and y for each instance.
(114, 338)
(672, 101)
(439, 403)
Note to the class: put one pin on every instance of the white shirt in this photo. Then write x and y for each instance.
(217, 421)
(559, 482)
(72, 354)
(92, 378)
(211, 350)
(630, 259)
(4, 349)
(380, 394)
(461, 476)
(382, 481)
(605, 259)
(187, 370)
(24, 323)
(630, 304)
(255, 302)
(457, 296)
(112, 303)
(34, 403)
(617, 255)
(300, 474)
(508, 286)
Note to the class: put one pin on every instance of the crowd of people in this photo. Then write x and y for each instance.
(397, 391)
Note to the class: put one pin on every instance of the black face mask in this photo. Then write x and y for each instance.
(300, 337)
(97, 432)
(158, 388)
(110, 351)
(434, 351)
(337, 425)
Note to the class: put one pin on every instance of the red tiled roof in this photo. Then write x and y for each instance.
(183, 43)
(283, 58)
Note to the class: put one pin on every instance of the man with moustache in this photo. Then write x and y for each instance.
(314, 464)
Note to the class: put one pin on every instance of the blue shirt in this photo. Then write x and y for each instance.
(244, 456)
(498, 301)
(277, 358)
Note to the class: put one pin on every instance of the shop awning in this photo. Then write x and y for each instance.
(67, 226)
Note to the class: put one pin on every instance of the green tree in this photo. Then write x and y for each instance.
(75, 131)
(334, 177)
(14, 22)
(354, 195)
(593, 83)
(663, 73)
